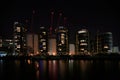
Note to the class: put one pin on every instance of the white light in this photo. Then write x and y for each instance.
(18, 29)
(83, 31)
(82, 40)
(42, 27)
(18, 46)
(83, 44)
(106, 47)
(82, 49)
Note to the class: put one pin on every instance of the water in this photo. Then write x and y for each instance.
(59, 70)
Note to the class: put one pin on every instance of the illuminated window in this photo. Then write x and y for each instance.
(44, 48)
(62, 36)
(82, 40)
(18, 46)
(106, 47)
(82, 31)
(60, 49)
(44, 33)
(15, 43)
(18, 29)
(16, 40)
(82, 49)
(44, 43)
(10, 43)
(43, 40)
(24, 44)
(60, 44)
(62, 41)
(15, 36)
(41, 50)
(83, 44)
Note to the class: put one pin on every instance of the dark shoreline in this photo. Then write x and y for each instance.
(65, 57)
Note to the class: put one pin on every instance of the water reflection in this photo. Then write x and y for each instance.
(59, 70)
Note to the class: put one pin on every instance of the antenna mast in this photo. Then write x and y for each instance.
(32, 31)
(64, 21)
(60, 14)
(51, 26)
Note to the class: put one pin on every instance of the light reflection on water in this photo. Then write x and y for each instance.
(59, 70)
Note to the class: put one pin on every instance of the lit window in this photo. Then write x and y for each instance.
(82, 40)
(82, 49)
(60, 44)
(83, 44)
(16, 40)
(63, 42)
(43, 40)
(82, 31)
(106, 47)
(18, 46)
(15, 36)
(41, 50)
(44, 33)
(18, 29)
(44, 43)
(15, 43)
(10, 43)
(60, 49)
(24, 44)
(62, 36)
(44, 48)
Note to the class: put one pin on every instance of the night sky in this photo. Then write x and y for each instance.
(91, 14)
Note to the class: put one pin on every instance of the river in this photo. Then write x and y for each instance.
(59, 70)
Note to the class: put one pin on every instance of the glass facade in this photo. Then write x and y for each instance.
(82, 42)
(19, 39)
(43, 41)
(62, 40)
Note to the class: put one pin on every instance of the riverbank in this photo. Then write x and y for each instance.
(64, 57)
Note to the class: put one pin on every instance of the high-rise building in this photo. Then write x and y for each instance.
(107, 42)
(104, 42)
(98, 44)
(52, 45)
(52, 38)
(19, 39)
(71, 49)
(32, 44)
(62, 40)
(43, 41)
(82, 42)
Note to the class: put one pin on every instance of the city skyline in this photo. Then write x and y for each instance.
(93, 15)
(43, 43)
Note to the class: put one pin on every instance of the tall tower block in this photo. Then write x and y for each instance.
(51, 38)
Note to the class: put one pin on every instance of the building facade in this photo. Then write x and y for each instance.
(62, 40)
(19, 39)
(82, 42)
(107, 42)
(104, 42)
(52, 45)
(43, 41)
(32, 44)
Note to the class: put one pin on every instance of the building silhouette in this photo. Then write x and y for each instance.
(32, 44)
(104, 42)
(82, 42)
(43, 41)
(19, 39)
(62, 40)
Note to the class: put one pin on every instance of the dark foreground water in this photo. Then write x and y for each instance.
(59, 70)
